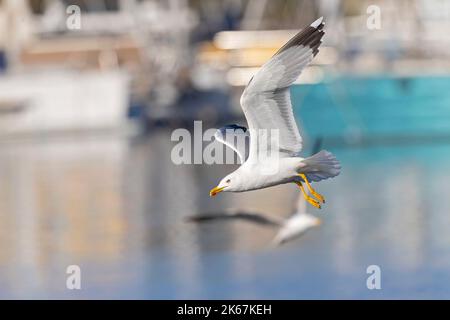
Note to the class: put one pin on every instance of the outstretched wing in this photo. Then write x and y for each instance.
(237, 215)
(235, 137)
(266, 99)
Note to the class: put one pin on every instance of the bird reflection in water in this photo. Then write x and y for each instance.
(289, 228)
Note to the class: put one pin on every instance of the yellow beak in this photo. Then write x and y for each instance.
(215, 191)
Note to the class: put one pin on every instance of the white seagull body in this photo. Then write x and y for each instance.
(274, 141)
(288, 229)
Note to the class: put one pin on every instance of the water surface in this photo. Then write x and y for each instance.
(116, 208)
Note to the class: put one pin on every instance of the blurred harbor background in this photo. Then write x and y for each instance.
(86, 177)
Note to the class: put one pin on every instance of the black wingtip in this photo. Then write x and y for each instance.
(235, 127)
(310, 36)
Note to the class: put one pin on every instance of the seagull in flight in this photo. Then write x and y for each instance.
(288, 229)
(269, 151)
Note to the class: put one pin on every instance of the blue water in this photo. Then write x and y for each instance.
(116, 208)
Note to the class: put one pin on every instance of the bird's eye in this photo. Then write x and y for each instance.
(228, 181)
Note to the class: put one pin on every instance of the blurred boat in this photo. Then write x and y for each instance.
(88, 78)
(60, 101)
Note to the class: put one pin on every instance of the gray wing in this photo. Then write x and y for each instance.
(237, 215)
(235, 137)
(266, 99)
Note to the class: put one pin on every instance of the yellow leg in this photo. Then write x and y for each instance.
(307, 197)
(313, 192)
